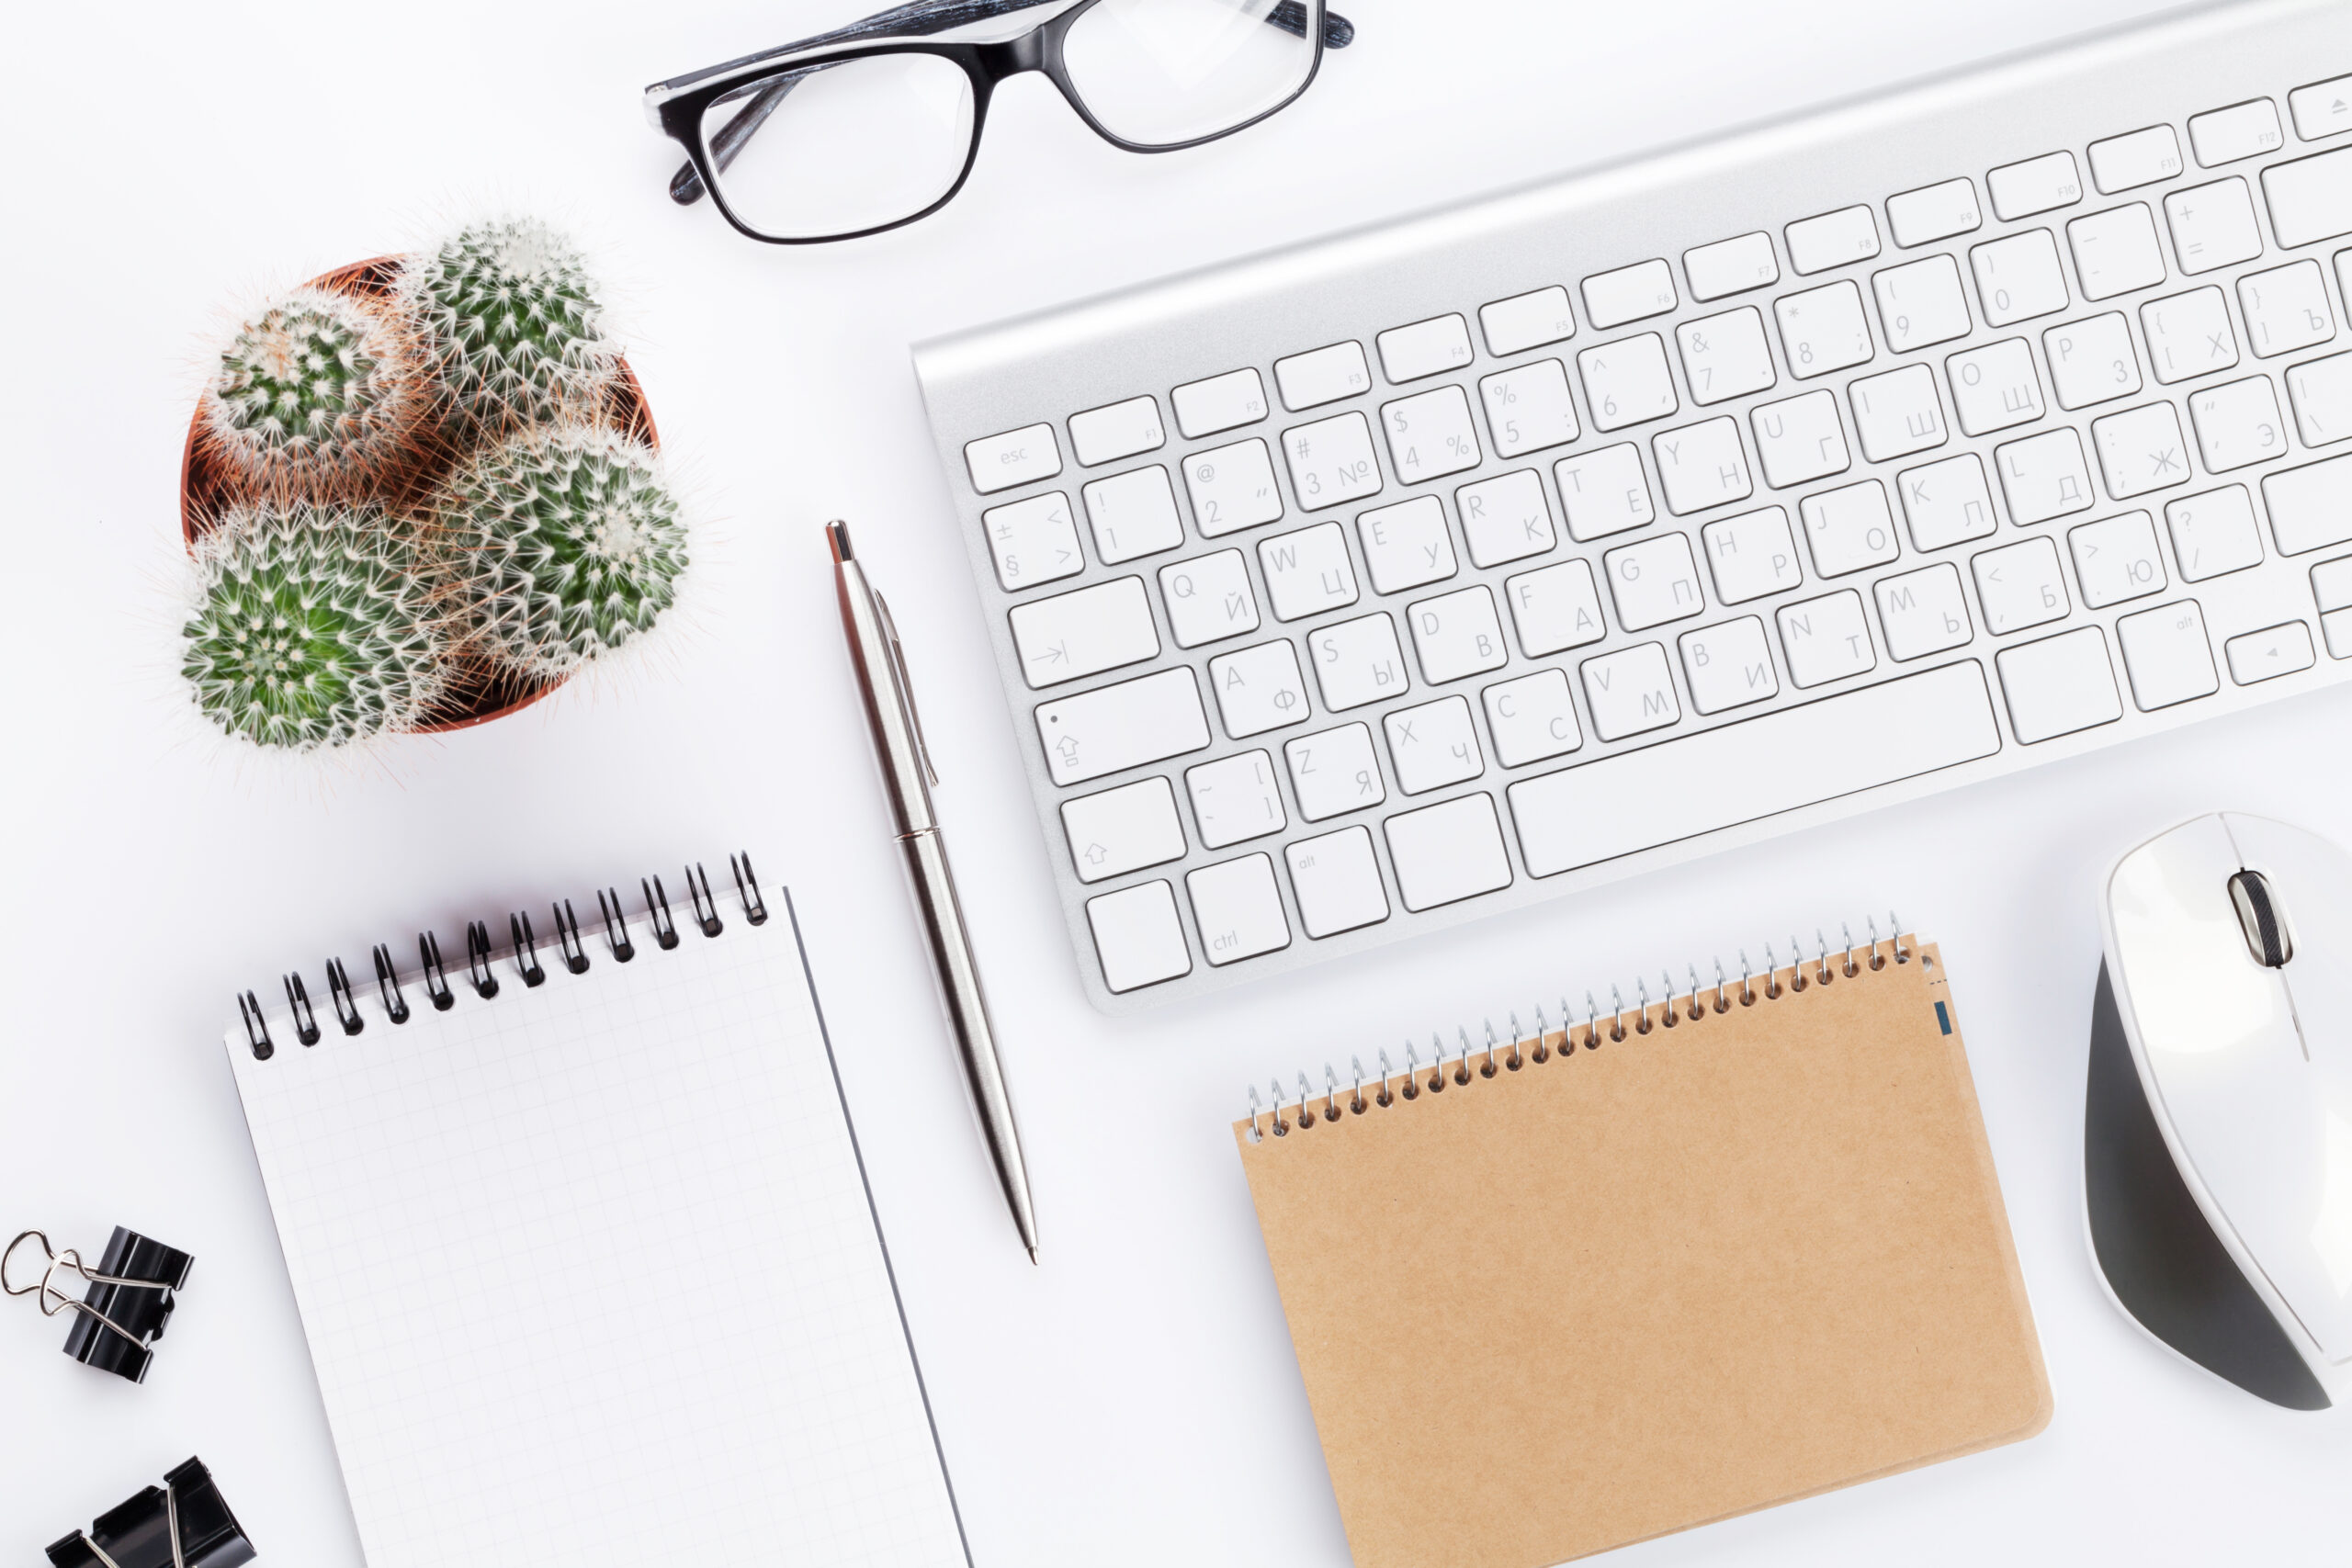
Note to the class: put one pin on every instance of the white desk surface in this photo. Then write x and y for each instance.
(1134, 1398)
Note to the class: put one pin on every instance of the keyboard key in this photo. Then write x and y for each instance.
(2267, 654)
(1827, 638)
(1331, 461)
(2237, 423)
(1725, 356)
(1259, 689)
(2141, 450)
(1529, 407)
(1731, 267)
(2214, 533)
(1121, 430)
(1847, 529)
(1322, 376)
(1532, 718)
(2310, 506)
(1430, 435)
(1822, 329)
(1337, 879)
(1728, 666)
(2059, 685)
(1702, 466)
(1425, 348)
(1122, 829)
(2332, 585)
(1307, 572)
(1834, 239)
(1357, 663)
(1147, 719)
(1235, 799)
(1630, 692)
(1628, 294)
(2165, 654)
(1335, 772)
(1995, 386)
(1799, 439)
(1505, 519)
(1138, 937)
(1654, 582)
(1221, 402)
(1033, 541)
(1751, 555)
(1933, 213)
(1741, 773)
(2242, 130)
(1015, 457)
(2116, 560)
(1232, 487)
(2323, 108)
(2018, 278)
(2322, 393)
(1406, 544)
(1239, 908)
(1897, 414)
(1919, 303)
(2020, 585)
(1456, 635)
(2116, 252)
(1208, 598)
(2037, 185)
(1627, 383)
(1946, 502)
(2285, 308)
(2091, 362)
(1084, 633)
(2126, 163)
(1527, 321)
(1133, 515)
(1433, 744)
(2310, 198)
(1603, 492)
(2336, 627)
(2043, 476)
(1555, 607)
(1923, 611)
(2188, 334)
(1447, 852)
(2212, 225)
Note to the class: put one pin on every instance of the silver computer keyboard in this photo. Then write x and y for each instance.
(1470, 561)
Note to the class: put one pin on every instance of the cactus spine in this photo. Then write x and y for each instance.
(318, 396)
(512, 324)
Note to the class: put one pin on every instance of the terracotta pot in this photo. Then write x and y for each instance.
(207, 490)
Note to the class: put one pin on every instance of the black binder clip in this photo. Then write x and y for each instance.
(116, 1325)
(181, 1524)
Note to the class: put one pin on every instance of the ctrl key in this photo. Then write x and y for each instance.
(1138, 937)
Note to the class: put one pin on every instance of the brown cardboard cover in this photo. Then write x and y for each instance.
(1628, 1289)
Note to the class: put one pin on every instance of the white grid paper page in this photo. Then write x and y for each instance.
(590, 1274)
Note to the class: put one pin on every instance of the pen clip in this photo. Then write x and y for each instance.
(906, 686)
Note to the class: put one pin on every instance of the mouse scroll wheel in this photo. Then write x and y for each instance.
(2266, 933)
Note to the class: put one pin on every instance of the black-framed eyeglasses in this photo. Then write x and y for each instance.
(877, 124)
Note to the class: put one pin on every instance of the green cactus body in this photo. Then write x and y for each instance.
(512, 324)
(317, 395)
(571, 544)
(314, 627)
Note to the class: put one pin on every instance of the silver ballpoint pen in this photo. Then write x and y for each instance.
(908, 775)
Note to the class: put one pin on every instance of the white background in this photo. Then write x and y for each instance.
(1134, 1398)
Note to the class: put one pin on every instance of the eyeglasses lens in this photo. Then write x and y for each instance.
(1157, 73)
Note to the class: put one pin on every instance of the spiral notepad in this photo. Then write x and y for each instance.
(583, 1250)
(1559, 1288)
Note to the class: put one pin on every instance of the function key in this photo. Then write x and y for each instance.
(1121, 430)
(2241, 130)
(1834, 239)
(2037, 185)
(2323, 108)
(1221, 402)
(1628, 294)
(2125, 162)
(1425, 348)
(1731, 267)
(1527, 321)
(1934, 212)
(1015, 457)
(1322, 376)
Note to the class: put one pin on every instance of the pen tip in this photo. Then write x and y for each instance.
(1033, 1255)
(837, 535)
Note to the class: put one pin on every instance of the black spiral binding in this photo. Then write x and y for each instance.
(481, 970)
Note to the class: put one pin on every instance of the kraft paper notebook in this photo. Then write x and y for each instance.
(1556, 1295)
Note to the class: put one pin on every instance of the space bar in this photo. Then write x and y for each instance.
(1720, 778)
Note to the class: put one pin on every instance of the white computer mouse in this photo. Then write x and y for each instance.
(2217, 1151)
